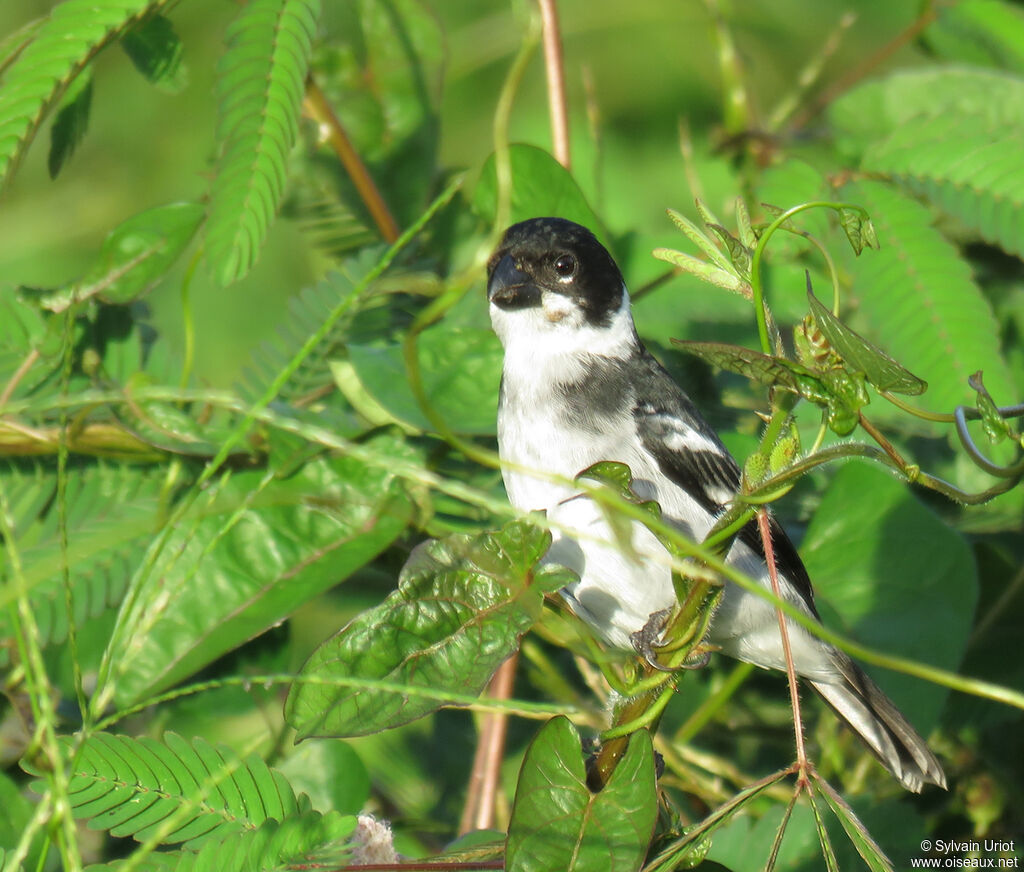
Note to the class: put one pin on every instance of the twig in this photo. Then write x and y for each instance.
(554, 66)
(483, 780)
(844, 83)
(320, 110)
(794, 694)
(19, 374)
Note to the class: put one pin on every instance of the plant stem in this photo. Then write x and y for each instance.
(554, 66)
(320, 110)
(787, 651)
(479, 813)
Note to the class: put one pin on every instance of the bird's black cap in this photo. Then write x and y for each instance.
(553, 254)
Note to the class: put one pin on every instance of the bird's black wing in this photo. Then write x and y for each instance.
(690, 454)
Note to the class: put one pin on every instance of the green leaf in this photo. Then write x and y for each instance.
(307, 310)
(857, 832)
(308, 840)
(983, 33)
(859, 355)
(703, 270)
(893, 576)
(111, 515)
(970, 170)
(541, 186)
(461, 606)
(744, 842)
(700, 239)
(977, 98)
(17, 814)
(858, 229)
(996, 427)
(131, 787)
(157, 53)
(330, 773)
(134, 258)
(260, 85)
(461, 372)
(917, 297)
(74, 33)
(558, 823)
(71, 123)
(756, 365)
(247, 558)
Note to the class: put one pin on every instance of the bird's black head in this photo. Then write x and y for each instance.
(559, 267)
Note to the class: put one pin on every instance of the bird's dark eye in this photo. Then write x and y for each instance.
(565, 266)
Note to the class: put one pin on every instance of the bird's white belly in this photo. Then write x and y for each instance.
(621, 587)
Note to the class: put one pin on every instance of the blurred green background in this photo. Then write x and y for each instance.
(634, 71)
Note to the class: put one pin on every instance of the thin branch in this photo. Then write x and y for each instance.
(19, 374)
(864, 69)
(555, 68)
(319, 109)
(787, 652)
(479, 813)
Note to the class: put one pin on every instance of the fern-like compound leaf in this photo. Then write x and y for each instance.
(196, 792)
(261, 81)
(60, 49)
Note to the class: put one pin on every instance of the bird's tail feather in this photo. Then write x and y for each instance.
(873, 716)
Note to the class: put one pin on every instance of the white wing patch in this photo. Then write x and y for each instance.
(684, 438)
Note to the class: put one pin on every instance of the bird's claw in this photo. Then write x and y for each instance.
(648, 638)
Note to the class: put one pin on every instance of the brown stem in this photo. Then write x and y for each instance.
(554, 66)
(486, 773)
(319, 109)
(885, 444)
(794, 694)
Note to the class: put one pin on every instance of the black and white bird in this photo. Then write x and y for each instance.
(578, 386)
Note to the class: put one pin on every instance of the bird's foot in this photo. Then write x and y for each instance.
(648, 640)
(648, 637)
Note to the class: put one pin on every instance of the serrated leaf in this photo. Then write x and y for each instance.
(157, 53)
(260, 85)
(704, 270)
(461, 606)
(861, 356)
(132, 786)
(60, 47)
(699, 238)
(460, 369)
(247, 559)
(71, 123)
(558, 823)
